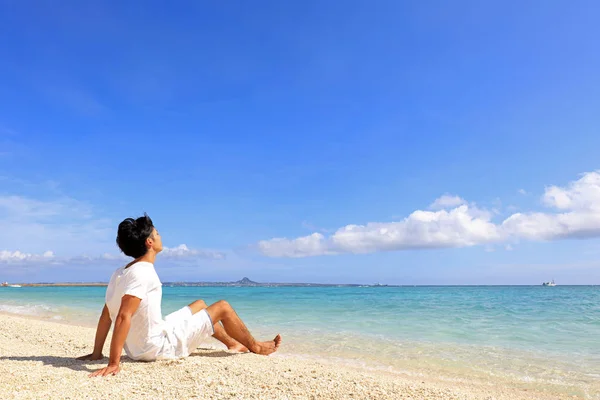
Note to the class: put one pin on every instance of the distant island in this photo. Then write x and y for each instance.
(247, 282)
(242, 282)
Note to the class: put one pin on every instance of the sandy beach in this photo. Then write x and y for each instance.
(37, 360)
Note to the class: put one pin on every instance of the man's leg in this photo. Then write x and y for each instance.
(220, 333)
(221, 311)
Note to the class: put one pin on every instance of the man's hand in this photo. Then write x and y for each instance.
(110, 370)
(91, 357)
(104, 324)
(129, 305)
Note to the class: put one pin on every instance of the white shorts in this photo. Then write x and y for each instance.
(188, 329)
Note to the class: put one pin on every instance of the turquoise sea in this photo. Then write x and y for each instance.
(538, 337)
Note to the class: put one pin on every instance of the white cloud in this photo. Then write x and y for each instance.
(306, 246)
(580, 201)
(582, 194)
(523, 192)
(447, 201)
(11, 257)
(182, 251)
(542, 226)
(461, 226)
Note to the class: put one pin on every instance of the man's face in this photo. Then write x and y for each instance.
(155, 241)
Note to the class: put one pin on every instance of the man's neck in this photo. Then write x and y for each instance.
(150, 256)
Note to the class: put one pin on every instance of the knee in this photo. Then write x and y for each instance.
(201, 303)
(220, 310)
(198, 305)
(223, 304)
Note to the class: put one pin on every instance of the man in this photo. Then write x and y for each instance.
(133, 302)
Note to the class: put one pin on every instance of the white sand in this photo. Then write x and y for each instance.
(37, 361)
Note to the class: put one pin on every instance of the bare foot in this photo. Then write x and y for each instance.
(238, 348)
(266, 348)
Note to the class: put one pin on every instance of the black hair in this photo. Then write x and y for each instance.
(132, 235)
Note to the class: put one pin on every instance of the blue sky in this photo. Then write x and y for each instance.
(303, 142)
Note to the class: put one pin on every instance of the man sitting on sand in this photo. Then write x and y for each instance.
(133, 301)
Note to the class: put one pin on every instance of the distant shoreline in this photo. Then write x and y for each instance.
(223, 284)
(256, 284)
(62, 284)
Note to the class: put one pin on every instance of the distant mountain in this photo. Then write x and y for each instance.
(246, 281)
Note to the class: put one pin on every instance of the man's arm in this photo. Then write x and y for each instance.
(129, 305)
(101, 332)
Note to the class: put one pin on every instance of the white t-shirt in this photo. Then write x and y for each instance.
(147, 338)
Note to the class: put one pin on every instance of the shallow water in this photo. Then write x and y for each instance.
(530, 336)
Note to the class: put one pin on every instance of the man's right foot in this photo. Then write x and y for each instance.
(238, 348)
(266, 348)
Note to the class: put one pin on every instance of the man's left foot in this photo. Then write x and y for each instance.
(266, 348)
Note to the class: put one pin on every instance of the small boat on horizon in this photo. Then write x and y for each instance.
(551, 283)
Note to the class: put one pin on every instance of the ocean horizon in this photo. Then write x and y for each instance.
(249, 283)
(526, 336)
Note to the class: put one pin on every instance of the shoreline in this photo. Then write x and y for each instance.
(27, 340)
